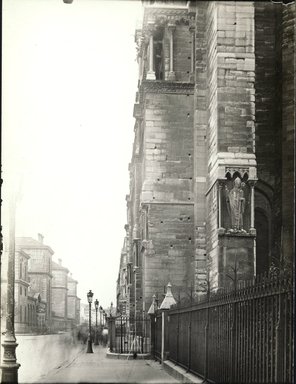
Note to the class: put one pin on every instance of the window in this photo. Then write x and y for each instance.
(129, 274)
(21, 290)
(21, 269)
(136, 253)
(158, 54)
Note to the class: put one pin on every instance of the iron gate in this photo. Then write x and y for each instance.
(132, 334)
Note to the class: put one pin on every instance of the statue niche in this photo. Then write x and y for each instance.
(236, 204)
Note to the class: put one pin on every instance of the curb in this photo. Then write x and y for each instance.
(125, 356)
(180, 373)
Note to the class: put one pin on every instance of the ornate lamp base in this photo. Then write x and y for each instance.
(9, 366)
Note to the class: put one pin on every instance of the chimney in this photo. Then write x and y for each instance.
(40, 238)
(60, 261)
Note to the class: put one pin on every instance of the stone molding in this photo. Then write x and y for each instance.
(240, 170)
(159, 86)
(162, 15)
(165, 18)
(148, 202)
(40, 273)
(233, 162)
(22, 282)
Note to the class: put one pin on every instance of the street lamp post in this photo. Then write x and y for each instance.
(9, 364)
(96, 334)
(89, 341)
(101, 325)
(101, 311)
(111, 328)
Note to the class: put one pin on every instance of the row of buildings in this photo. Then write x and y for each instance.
(212, 170)
(45, 292)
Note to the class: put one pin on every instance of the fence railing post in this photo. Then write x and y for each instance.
(189, 342)
(206, 363)
(178, 331)
(206, 343)
(279, 340)
(152, 334)
(121, 335)
(233, 352)
(111, 327)
(163, 332)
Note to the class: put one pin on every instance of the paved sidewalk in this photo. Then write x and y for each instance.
(97, 368)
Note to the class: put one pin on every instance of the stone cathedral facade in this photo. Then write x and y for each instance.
(212, 169)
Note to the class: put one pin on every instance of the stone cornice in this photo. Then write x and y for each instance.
(23, 253)
(231, 162)
(22, 282)
(236, 234)
(167, 203)
(41, 247)
(159, 86)
(40, 273)
(59, 287)
(162, 15)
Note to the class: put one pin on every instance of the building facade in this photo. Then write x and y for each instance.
(59, 296)
(212, 172)
(45, 295)
(78, 306)
(73, 303)
(39, 271)
(21, 292)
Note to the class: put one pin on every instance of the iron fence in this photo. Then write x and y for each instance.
(131, 334)
(243, 336)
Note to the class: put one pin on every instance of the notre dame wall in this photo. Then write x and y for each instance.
(212, 173)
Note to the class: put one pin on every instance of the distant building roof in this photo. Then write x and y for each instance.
(70, 278)
(56, 266)
(23, 253)
(30, 243)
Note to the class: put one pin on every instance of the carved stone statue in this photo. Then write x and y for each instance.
(236, 204)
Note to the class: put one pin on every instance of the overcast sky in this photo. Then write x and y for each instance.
(69, 83)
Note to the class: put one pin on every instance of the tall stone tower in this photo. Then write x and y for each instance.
(161, 197)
